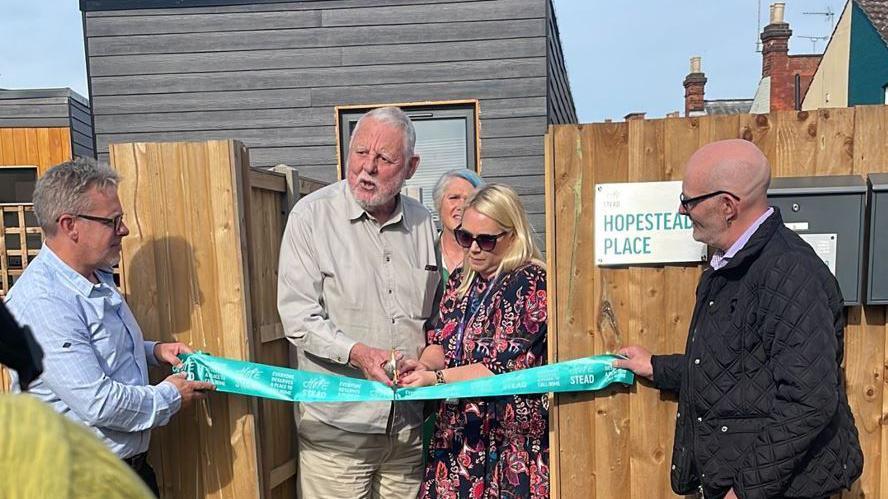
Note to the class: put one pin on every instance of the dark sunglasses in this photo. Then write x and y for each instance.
(114, 223)
(689, 203)
(486, 242)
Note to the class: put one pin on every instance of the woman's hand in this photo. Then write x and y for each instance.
(417, 378)
(407, 366)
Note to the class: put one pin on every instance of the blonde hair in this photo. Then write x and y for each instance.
(502, 205)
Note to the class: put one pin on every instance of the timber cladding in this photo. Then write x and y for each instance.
(40, 147)
(270, 74)
(618, 442)
(52, 109)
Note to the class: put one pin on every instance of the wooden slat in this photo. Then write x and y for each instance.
(646, 307)
(865, 347)
(609, 160)
(551, 307)
(7, 146)
(4, 262)
(270, 181)
(271, 332)
(282, 473)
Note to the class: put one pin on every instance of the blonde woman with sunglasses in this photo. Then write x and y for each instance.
(492, 320)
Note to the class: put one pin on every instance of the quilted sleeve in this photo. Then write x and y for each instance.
(799, 325)
(668, 371)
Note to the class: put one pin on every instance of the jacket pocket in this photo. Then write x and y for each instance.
(735, 437)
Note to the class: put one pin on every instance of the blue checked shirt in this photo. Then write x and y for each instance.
(96, 361)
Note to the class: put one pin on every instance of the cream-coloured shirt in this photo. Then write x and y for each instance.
(342, 279)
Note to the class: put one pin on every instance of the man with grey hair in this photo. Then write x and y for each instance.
(96, 361)
(762, 410)
(356, 282)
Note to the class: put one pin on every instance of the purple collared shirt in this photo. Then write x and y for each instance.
(721, 258)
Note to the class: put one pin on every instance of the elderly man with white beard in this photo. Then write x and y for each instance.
(356, 282)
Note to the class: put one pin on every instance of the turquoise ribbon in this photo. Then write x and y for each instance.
(293, 385)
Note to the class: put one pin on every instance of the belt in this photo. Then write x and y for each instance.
(136, 461)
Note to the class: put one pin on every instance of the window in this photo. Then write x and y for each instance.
(446, 138)
(17, 183)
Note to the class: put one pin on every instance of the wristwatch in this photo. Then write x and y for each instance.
(439, 378)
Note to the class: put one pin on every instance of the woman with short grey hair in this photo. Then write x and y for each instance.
(450, 193)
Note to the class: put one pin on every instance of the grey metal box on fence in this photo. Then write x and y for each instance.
(828, 213)
(877, 220)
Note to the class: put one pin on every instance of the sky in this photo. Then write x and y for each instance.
(621, 56)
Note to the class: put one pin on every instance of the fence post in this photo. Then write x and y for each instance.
(292, 176)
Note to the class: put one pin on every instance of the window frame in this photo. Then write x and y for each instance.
(419, 111)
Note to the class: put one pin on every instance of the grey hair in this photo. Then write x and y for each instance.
(441, 185)
(63, 190)
(391, 115)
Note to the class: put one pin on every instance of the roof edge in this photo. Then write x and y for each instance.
(104, 5)
(23, 93)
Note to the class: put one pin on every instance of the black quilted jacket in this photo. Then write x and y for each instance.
(762, 407)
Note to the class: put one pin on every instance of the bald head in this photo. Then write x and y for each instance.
(736, 166)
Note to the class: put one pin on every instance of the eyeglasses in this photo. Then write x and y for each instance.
(689, 203)
(114, 223)
(486, 242)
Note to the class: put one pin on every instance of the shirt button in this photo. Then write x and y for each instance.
(390, 291)
(699, 420)
(388, 259)
(711, 303)
(673, 466)
(677, 415)
(697, 362)
(724, 429)
(703, 475)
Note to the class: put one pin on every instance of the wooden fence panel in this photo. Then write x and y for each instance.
(276, 429)
(186, 276)
(619, 444)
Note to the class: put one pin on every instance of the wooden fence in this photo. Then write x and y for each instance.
(618, 443)
(200, 266)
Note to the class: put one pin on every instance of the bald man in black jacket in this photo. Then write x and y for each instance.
(762, 409)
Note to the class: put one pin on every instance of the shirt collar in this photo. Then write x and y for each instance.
(78, 282)
(355, 211)
(721, 258)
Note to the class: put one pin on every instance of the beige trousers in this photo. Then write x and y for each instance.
(335, 463)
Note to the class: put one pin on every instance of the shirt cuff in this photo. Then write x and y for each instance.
(170, 395)
(340, 348)
(149, 353)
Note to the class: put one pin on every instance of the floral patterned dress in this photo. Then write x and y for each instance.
(492, 447)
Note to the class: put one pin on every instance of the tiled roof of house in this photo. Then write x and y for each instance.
(727, 106)
(877, 12)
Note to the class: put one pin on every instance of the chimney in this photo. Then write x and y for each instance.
(694, 84)
(775, 59)
(634, 116)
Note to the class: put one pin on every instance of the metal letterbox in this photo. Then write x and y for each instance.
(877, 231)
(828, 212)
